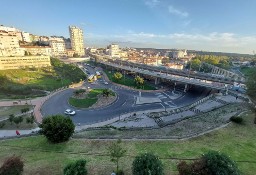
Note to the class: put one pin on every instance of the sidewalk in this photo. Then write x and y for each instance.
(12, 133)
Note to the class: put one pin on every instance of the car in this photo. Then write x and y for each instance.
(70, 112)
(106, 83)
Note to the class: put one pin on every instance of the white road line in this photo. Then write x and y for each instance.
(124, 103)
(162, 105)
(167, 95)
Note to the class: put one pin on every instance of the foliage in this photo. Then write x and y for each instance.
(212, 163)
(106, 92)
(57, 128)
(139, 80)
(236, 119)
(11, 117)
(75, 55)
(2, 124)
(251, 84)
(76, 168)
(30, 119)
(24, 110)
(117, 76)
(219, 163)
(116, 152)
(147, 164)
(18, 120)
(219, 61)
(79, 91)
(12, 166)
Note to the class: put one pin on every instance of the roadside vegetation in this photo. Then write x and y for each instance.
(33, 82)
(118, 78)
(85, 99)
(43, 157)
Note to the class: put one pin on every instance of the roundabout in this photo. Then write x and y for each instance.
(128, 101)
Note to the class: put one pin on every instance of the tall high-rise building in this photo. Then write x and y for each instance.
(77, 40)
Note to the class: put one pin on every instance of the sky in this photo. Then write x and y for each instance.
(208, 25)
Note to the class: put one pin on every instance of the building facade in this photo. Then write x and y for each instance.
(25, 37)
(58, 47)
(9, 45)
(38, 50)
(114, 50)
(77, 40)
(24, 61)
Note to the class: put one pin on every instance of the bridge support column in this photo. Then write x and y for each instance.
(186, 88)
(157, 80)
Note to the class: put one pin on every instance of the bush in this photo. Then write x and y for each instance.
(236, 119)
(12, 166)
(57, 128)
(147, 164)
(184, 168)
(212, 163)
(76, 168)
(120, 172)
(218, 163)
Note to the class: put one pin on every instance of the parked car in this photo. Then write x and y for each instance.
(70, 112)
(106, 83)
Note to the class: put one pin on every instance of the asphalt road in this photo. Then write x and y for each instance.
(125, 102)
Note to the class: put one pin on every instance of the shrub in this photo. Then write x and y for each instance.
(120, 172)
(76, 168)
(218, 163)
(184, 168)
(57, 128)
(18, 120)
(12, 166)
(147, 164)
(212, 163)
(2, 124)
(236, 119)
(11, 117)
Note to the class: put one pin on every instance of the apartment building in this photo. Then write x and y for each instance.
(114, 50)
(58, 46)
(24, 61)
(25, 37)
(77, 40)
(9, 45)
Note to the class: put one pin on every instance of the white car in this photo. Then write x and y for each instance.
(106, 83)
(70, 112)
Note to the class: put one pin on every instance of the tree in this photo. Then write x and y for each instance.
(139, 81)
(12, 166)
(57, 128)
(26, 53)
(251, 84)
(218, 163)
(30, 119)
(118, 76)
(18, 120)
(116, 153)
(75, 55)
(195, 64)
(11, 117)
(76, 168)
(147, 164)
(106, 92)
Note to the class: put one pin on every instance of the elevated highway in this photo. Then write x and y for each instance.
(186, 77)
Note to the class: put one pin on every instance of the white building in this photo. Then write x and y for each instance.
(114, 50)
(58, 46)
(9, 45)
(179, 54)
(77, 40)
(25, 37)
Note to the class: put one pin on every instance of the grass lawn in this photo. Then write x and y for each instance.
(90, 99)
(12, 126)
(41, 157)
(128, 82)
(5, 111)
(82, 103)
(247, 70)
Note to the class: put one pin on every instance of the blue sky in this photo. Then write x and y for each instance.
(210, 25)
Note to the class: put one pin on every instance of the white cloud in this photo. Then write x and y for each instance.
(177, 12)
(224, 42)
(151, 3)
